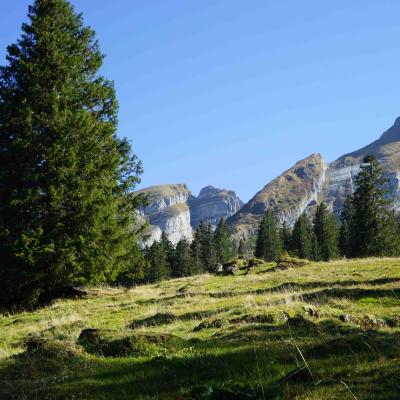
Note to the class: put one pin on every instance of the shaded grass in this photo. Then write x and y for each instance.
(345, 360)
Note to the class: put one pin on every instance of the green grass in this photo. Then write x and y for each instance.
(229, 334)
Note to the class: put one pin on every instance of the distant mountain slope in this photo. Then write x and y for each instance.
(311, 179)
(288, 195)
(176, 211)
(341, 172)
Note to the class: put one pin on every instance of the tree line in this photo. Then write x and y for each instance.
(209, 247)
(367, 227)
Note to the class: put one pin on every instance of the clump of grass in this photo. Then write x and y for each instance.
(109, 343)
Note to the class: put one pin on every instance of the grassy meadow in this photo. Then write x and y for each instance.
(322, 331)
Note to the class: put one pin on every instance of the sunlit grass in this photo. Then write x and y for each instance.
(347, 360)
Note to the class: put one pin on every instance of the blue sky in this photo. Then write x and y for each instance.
(233, 92)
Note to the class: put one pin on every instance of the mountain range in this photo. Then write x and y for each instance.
(173, 209)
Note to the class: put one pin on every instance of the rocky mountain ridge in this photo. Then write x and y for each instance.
(174, 210)
(310, 180)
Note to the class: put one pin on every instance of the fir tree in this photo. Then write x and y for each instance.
(372, 228)
(302, 238)
(242, 248)
(326, 234)
(222, 242)
(66, 216)
(159, 267)
(269, 244)
(182, 263)
(346, 221)
(168, 248)
(286, 236)
(196, 252)
(208, 251)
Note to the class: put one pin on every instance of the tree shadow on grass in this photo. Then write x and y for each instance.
(332, 351)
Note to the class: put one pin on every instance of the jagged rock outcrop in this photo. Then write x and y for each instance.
(174, 210)
(289, 195)
(212, 204)
(167, 211)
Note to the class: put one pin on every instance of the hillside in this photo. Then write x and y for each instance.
(322, 331)
(312, 179)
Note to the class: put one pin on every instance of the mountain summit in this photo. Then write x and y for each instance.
(174, 210)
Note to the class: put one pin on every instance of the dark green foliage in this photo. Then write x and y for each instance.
(168, 248)
(182, 263)
(302, 238)
(346, 220)
(242, 248)
(209, 254)
(159, 267)
(224, 250)
(198, 266)
(286, 235)
(369, 228)
(65, 177)
(326, 232)
(269, 244)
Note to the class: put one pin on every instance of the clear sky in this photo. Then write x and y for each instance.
(233, 92)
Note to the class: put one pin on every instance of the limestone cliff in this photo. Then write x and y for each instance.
(167, 211)
(174, 210)
(212, 204)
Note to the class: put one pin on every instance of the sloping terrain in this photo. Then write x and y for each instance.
(289, 195)
(318, 331)
(311, 179)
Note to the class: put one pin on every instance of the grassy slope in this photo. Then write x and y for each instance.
(347, 361)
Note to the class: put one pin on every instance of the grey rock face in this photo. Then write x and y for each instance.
(212, 204)
(311, 180)
(341, 173)
(172, 209)
(167, 212)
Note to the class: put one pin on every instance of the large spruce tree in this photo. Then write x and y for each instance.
(371, 227)
(269, 244)
(326, 233)
(65, 177)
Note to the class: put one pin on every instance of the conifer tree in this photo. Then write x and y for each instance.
(286, 236)
(345, 225)
(269, 244)
(159, 267)
(168, 249)
(222, 242)
(372, 228)
(208, 251)
(182, 263)
(66, 216)
(326, 234)
(242, 248)
(196, 253)
(302, 240)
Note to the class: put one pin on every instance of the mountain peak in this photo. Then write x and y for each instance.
(208, 191)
